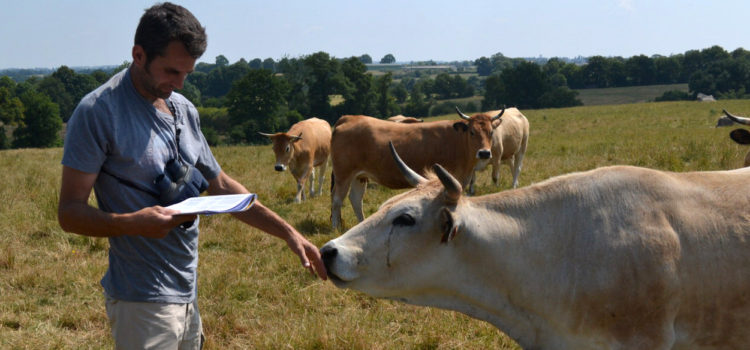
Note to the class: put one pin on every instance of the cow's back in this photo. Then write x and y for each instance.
(511, 135)
(316, 138)
(360, 147)
(652, 241)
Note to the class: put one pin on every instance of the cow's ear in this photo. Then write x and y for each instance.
(296, 138)
(447, 226)
(740, 136)
(496, 123)
(460, 126)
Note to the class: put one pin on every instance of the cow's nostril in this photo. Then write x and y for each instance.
(484, 154)
(279, 168)
(328, 253)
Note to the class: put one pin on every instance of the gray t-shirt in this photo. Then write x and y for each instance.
(116, 133)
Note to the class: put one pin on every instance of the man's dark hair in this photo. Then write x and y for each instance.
(167, 22)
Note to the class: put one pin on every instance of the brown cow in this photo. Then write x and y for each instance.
(741, 136)
(359, 151)
(304, 147)
(509, 143)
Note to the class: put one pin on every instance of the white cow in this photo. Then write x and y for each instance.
(509, 141)
(614, 258)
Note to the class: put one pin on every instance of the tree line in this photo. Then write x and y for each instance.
(238, 100)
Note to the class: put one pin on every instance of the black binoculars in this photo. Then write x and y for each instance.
(179, 181)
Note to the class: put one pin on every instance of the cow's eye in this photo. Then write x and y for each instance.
(403, 220)
(287, 148)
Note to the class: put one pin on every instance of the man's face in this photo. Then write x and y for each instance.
(163, 74)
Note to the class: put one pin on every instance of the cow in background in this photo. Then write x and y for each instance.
(509, 141)
(359, 151)
(303, 148)
(741, 136)
(402, 119)
(613, 258)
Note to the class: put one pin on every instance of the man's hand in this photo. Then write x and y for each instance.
(309, 255)
(155, 222)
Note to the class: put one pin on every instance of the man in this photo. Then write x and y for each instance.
(119, 139)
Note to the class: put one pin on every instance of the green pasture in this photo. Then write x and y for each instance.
(253, 293)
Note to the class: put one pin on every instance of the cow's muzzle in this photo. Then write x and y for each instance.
(484, 154)
(279, 167)
(328, 253)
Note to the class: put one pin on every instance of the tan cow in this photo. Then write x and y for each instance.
(402, 119)
(741, 136)
(509, 143)
(303, 148)
(359, 151)
(614, 258)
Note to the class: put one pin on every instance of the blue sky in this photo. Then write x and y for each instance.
(51, 33)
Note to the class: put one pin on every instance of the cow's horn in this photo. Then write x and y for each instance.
(499, 115)
(737, 119)
(452, 186)
(411, 176)
(460, 114)
(264, 134)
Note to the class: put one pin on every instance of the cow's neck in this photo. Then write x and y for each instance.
(495, 234)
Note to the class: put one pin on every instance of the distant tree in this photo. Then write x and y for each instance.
(269, 64)
(484, 66)
(388, 59)
(256, 63)
(325, 78)
(417, 106)
(667, 69)
(191, 92)
(11, 107)
(366, 59)
(42, 122)
(400, 92)
(386, 104)
(558, 97)
(358, 94)
(100, 76)
(641, 70)
(674, 95)
(221, 61)
(254, 103)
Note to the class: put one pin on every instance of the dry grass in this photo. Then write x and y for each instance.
(252, 291)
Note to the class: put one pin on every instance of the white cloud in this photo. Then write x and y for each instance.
(626, 4)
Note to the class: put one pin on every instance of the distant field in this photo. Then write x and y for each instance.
(632, 94)
(253, 293)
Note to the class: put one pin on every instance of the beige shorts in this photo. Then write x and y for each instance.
(139, 325)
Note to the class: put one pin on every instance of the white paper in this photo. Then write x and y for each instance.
(207, 205)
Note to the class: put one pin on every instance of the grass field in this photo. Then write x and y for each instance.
(252, 292)
(622, 95)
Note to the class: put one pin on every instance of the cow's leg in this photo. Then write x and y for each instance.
(496, 170)
(339, 189)
(472, 179)
(516, 167)
(356, 194)
(321, 176)
(311, 182)
(301, 186)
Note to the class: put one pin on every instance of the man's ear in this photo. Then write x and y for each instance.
(460, 126)
(139, 56)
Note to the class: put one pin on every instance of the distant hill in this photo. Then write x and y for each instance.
(21, 74)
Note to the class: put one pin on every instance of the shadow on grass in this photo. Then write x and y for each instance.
(313, 227)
